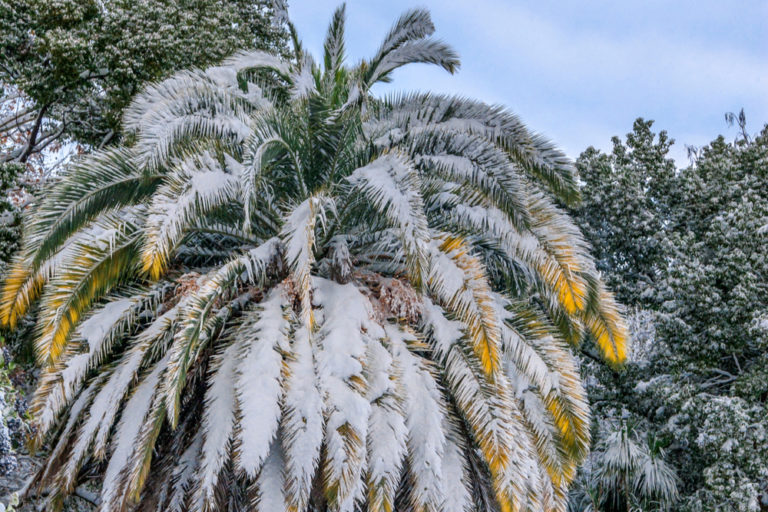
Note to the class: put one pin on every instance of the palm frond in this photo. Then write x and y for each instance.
(199, 315)
(96, 264)
(424, 412)
(258, 386)
(392, 186)
(459, 282)
(218, 424)
(198, 186)
(340, 362)
(302, 423)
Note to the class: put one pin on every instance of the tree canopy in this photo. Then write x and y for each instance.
(78, 63)
(687, 251)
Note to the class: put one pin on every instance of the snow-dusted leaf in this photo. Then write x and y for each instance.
(345, 327)
(392, 185)
(258, 386)
(387, 432)
(302, 423)
(424, 415)
(218, 424)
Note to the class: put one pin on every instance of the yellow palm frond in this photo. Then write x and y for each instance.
(461, 285)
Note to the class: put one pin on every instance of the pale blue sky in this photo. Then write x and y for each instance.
(581, 71)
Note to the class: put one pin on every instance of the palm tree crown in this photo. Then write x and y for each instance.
(284, 293)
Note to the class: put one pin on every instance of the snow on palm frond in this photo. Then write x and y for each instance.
(340, 356)
(246, 60)
(298, 234)
(302, 421)
(183, 475)
(258, 386)
(455, 475)
(552, 401)
(655, 479)
(408, 42)
(560, 238)
(560, 272)
(134, 413)
(218, 424)
(200, 315)
(60, 384)
(387, 431)
(191, 103)
(333, 48)
(94, 265)
(535, 154)
(270, 494)
(59, 449)
(303, 79)
(472, 162)
(427, 51)
(102, 412)
(392, 186)
(198, 186)
(97, 182)
(323, 300)
(483, 403)
(460, 284)
(606, 323)
(424, 411)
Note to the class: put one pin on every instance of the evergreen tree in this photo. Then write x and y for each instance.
(77, 63)
(697, 378)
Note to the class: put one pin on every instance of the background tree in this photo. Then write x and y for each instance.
(309, 298)
(697, 378)
(625, 210)
(70, 67)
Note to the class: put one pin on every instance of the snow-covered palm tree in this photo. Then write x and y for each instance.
(284, 293)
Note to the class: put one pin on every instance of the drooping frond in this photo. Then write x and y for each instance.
(100, 182)
(191, 104)
(392, 186)
(424, 413)
(135, 412)
(341, 355)
(270, 494)
(605, 322)
(260, 339)
(302, 422)
(183, 475)
(455, 474)
(196, 187)
(536, 155)
(200, 312)
(61, 383)
(550, 369)
(218, 423)
(94, 266)
(460, 284)
(483, 403)
(387, 432)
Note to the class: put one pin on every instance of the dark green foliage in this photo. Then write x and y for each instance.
(10, 227)
(81, 61)
(626, 200)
